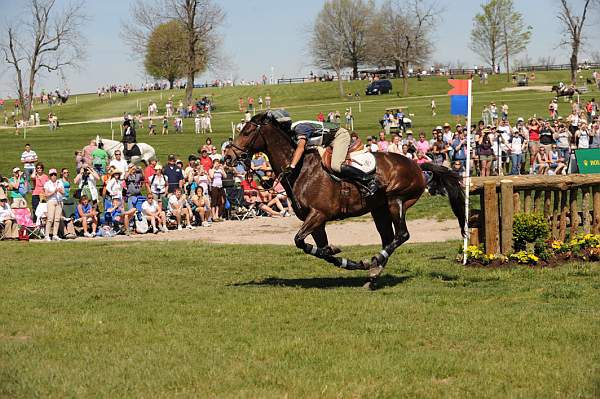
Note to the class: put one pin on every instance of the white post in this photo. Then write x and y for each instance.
(111, 124)
(232, 128)
(468, 170)
(112, 136)
(75, 99)
(359, 107)
(25, 132)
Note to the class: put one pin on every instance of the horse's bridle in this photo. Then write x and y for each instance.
(241, 153)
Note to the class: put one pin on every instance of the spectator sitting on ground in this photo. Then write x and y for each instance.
(154, 214)
(117, 217)
(85, 214)
(251, 195)
(8, 218)
(179, 208)
(201, 207)
(557, 163)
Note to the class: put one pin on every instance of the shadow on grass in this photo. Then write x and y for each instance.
(387, 280)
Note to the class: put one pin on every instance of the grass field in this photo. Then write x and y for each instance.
(193, 320)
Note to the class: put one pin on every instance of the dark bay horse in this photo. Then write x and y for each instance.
(565, 91)
(317, 197)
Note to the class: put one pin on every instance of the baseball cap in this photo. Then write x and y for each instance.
(520, 119)
(438, 127)
(16, 169)
(179, 161)
(52, 172)
(172, 157)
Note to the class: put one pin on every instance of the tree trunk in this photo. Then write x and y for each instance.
(355, 69)
(573, 62)
(397, 64)
(171, 83)
(405, 78)
(189, 88)
(340, 82)
(507, 65)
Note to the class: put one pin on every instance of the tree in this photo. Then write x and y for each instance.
(402, 35)
(48, 40)
(326, 44)
(200, 20)
(514, 34)
(485, 35)
(573, 26)
(164, 53)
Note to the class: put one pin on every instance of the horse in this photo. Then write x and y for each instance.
(145, 152)
(318, 197)
(565, 91)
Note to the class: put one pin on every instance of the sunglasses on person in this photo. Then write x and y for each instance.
(52, 174)
(117, 153)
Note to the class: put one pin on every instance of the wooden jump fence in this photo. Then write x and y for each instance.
(556, 197)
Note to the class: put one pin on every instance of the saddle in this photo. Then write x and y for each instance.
(364, 161)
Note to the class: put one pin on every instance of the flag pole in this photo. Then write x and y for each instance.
(468, 171)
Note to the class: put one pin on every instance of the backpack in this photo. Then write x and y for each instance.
(141, 224)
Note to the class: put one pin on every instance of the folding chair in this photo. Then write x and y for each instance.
(23, 218)
(239, 209)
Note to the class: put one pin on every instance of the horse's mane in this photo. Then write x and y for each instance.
(268, 118)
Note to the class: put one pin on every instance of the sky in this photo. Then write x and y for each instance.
(267, 34)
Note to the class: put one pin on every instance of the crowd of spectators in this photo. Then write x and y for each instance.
(498, 145)
(106, 197)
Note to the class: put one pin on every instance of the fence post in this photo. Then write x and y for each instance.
(527, 206)
(586, 209)
(574, 216)
(596, 190)
(547, 204)
(563, 214)
(555, 213)
(491, 218)
(506, 192)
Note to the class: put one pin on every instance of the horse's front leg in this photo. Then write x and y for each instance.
(320, 237)
(314, 224)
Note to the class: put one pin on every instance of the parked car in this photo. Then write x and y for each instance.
(379, 87)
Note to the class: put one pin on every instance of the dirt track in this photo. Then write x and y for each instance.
(281, 231)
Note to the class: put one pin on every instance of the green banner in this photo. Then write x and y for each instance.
(588, 160)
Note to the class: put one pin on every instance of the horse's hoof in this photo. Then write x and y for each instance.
(375, 271)
(371, 284)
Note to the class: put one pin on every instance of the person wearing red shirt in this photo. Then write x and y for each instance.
(251, 195)
(205, 161)
(149, 170)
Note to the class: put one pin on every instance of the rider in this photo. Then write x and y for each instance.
(340, 141)
(129, 138)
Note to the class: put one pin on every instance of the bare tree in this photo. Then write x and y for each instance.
(49, 40)
(573, 26)
(200, 20)
(486, 36)
(326, 45)
(403, 32)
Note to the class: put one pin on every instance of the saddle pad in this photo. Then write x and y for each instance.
(364, 161)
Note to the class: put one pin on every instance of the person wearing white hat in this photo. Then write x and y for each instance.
(114, 188)
(8, 219)
(54, 191)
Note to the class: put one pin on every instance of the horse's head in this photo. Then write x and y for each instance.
(253, 138)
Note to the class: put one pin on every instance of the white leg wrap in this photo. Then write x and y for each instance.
(344, 262)
(313, 250)
(384, 253)
(399, 201)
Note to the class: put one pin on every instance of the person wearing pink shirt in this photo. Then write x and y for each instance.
(39, 178)
(382, 143)
(422, 145)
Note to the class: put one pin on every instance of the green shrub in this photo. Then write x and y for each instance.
(529, 228)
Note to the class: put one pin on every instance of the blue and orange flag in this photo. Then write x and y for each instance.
(459, 97)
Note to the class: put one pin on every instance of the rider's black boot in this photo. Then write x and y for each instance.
(369, 182)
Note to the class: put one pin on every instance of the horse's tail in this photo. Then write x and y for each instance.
(452, 183)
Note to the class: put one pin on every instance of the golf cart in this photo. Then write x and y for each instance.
(522, 80)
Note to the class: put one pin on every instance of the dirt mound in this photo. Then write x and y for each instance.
(528, 88)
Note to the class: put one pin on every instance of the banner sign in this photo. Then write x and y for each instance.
(588, 160)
